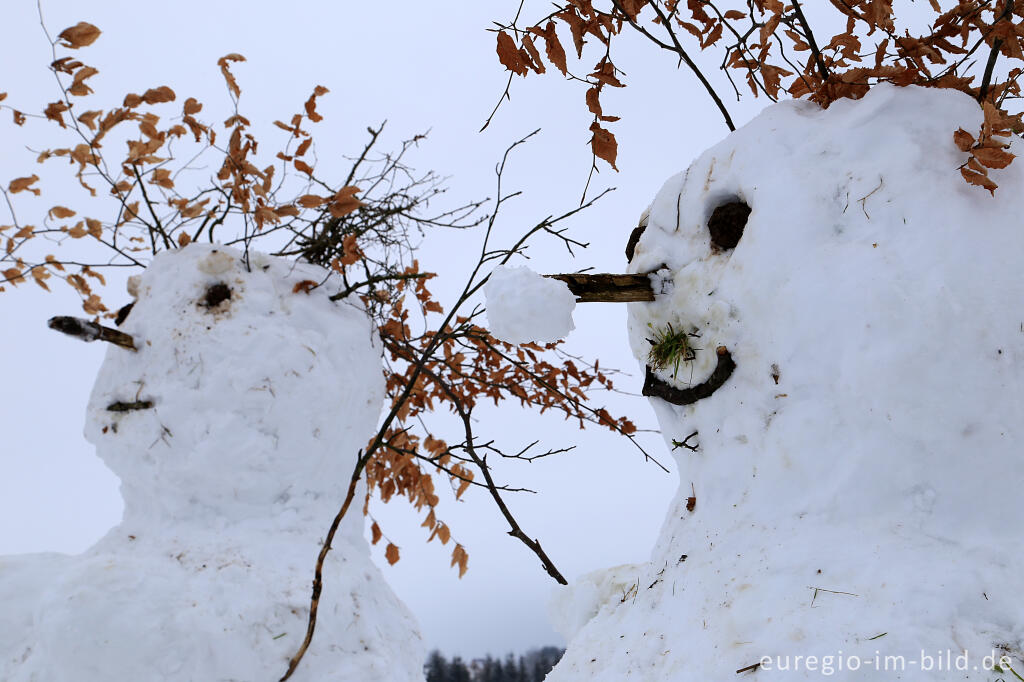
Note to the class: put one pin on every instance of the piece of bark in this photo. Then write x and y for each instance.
(634, 239)
(607, 288)
(128, 407)
(656, 388)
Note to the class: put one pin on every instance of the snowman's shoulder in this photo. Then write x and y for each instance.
(25, 580)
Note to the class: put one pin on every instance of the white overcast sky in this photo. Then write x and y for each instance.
(420, 66)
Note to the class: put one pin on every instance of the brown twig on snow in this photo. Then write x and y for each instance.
(120, 406)
(318, 575)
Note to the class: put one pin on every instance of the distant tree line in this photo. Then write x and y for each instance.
(531, 667)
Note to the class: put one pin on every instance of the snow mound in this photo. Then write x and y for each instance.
(234, 430)
(855, 496)
(572, 607)
(523, 306)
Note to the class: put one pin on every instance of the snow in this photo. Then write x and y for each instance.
(260, 403)
(867, 503)
(523, 306)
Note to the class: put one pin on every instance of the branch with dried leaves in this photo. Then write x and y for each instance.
(764, 36)
(364, 231)
(457, 365)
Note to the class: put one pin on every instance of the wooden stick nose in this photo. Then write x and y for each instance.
(608, 288)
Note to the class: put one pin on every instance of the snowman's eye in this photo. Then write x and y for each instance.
(215, 295)
(726, 224)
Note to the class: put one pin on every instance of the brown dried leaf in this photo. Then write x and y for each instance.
(375, 533)
(593, 97)
(162, 178)
(963, 140)
(93, 305)
(311, 104)
(305, 286)
(13, 275)
(976, 178)
(54, 111)
(391, 554)
(81, 34)
(311, 200)
(184, 239)
(158, 95)
(350, 250)
(993, 158)
(345, 202)
(460, 558)
(192, 106)
(223, 63)
(304, 146)
(444, 533)
(58, 212)
(552, 47)
(303, 167)
(531, 50)
(508, 54)
(78, 86)
(89, 118)
(22, 184)
(603, 144)
(40, 274)
(96, 230)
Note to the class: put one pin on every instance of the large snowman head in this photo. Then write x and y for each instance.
(873, 305)
(240, 397)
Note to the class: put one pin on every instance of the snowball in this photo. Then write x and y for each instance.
(523, 306)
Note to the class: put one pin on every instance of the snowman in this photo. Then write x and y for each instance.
(234, 428)
(850, 487)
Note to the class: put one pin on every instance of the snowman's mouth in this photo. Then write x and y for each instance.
(656, 388)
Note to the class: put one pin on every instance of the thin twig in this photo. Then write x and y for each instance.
(810, 41)
(997, 44)
(678, 49)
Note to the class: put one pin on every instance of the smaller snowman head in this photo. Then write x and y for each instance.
(247, 394)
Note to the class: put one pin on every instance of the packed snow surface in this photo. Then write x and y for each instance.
(260, 401)
(855, 497)
(523, 306)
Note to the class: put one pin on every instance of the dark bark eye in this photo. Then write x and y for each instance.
(726, 224)
(634, 239)
(215, 295)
